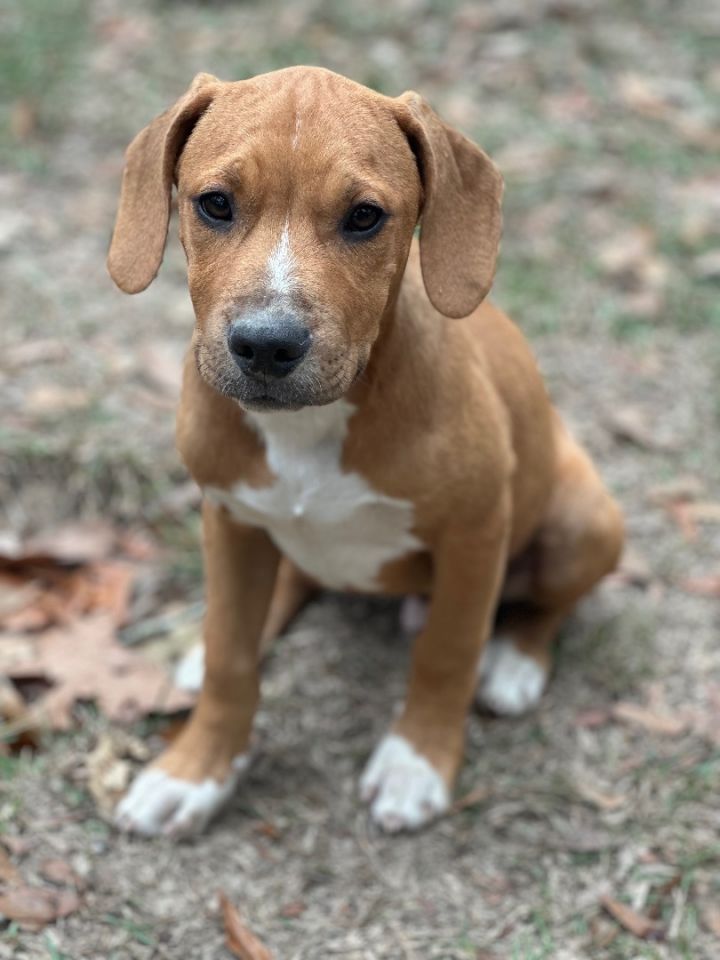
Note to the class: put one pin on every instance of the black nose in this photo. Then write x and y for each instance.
(272, 349)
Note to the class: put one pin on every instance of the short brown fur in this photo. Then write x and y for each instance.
(450, 414)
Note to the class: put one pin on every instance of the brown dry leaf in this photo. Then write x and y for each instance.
(683, 517)
(293, 910)
(35, 907)
(630, 424)
(9, 873)
(687, 487)
(705, 511)
(15, 594)
(634, 569)
(14, 648)
(592, 718)
(635, 923)
(708, 586)
(109, 771)
(60, 873)
(600, 799)
(643, 95)
(625, 251)
(711, 919)
(650, 720)
(12, 705)
(111, 589)
(239, 940)
(84, 661)
(68, 544)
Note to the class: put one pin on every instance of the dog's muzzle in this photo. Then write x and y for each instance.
(268, 346)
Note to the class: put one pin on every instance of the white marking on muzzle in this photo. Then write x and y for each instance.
(280, 265)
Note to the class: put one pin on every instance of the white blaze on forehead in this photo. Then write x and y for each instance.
(296, 135)
(280, 265)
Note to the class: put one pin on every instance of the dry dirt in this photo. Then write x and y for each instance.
(604, 119)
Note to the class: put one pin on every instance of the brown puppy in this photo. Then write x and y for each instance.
(348, 430)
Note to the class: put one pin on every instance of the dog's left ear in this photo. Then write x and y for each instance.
(138, 241)
(461, 222)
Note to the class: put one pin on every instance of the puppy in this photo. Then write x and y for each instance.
(357, 416)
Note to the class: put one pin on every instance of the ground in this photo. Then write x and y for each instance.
(604, 120)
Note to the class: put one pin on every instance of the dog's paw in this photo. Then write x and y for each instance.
(510, 682)
(158, 804)
(404, 790)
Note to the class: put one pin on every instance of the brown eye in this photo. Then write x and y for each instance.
(215, 206)
(364, 219)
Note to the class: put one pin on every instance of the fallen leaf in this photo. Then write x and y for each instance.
(683, 488)
(705, 511)
(9, 873)
(634, 569)
(17, 845)
(650, 720)
(108, 769)
(292, 910)
(84, 661)
(35, 907)
(708, 586)
(711, 919)
(12, 705)
(635, 923)
(592, 718)
(624, 251)
(239, 940)
(600, 799)
(60, 873)
(629, 424)
(682, 515)
(70, 543)
(15, 594)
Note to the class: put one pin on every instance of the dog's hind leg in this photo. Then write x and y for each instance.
(578, 542)
(293, 589)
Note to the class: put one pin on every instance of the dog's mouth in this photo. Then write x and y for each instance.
(309, 386)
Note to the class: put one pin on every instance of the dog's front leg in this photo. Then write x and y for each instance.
(189, 783)
(410, 775)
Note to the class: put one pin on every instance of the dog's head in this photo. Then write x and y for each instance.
(299, 192)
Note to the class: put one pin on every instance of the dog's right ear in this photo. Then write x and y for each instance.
(138, 241)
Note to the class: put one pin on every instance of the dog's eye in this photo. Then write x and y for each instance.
(215, 206)
(365, 218)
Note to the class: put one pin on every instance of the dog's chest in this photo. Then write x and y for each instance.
(332, 524)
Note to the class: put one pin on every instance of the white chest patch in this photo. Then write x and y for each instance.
(332, 524)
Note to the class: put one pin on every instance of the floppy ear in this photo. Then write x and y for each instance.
(138, 241)
(461, 222)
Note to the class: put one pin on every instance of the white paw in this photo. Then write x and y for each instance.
(190, 670)
(405, 790)
(160, 804)
(510, 681)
